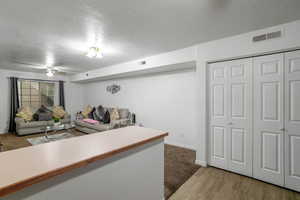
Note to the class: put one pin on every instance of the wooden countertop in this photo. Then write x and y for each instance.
(23, 167)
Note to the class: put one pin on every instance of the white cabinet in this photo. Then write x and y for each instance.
(254, 117)
(230, 118)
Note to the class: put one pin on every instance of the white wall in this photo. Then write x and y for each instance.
(73, 94)
(235, 47)
(227, 48)
(165, 101)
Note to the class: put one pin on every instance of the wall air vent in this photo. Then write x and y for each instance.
(267, 36)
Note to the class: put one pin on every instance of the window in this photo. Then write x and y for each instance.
(36, 93)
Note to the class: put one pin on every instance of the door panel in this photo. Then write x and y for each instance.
(292, 122)
(230, 111)
(270, 101)
(218, 147)
(294, 86)
(270, 155)
(238, 101)
(218, 116)
(268, 119)
(240, 112)
(238, 144)
(218, 101)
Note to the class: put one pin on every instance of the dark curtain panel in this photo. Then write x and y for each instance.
(14, 103)
(61, 94)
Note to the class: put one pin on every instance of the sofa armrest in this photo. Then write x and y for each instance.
(19, 122)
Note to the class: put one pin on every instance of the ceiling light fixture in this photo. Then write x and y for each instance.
(50, 72)
(94, 52)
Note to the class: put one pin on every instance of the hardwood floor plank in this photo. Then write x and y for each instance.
(216, 184)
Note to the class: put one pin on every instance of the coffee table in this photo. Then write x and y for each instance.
(55, 128)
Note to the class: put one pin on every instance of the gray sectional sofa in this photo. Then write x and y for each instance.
(28, 128)
(125, 120)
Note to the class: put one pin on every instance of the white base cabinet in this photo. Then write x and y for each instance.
(254, 117)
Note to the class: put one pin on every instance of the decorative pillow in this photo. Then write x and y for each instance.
(58, 112)
(114, 115)
(43, 114)
(123, 113)
(106, 119)
(99, 113)
(91, 121)
(87, 111)
(91, 114)
(25, 113)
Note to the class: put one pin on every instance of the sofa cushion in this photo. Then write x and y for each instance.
(120, 123)
(28, 131)
(32, 124)
(98, 127)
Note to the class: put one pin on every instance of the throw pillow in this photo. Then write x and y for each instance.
(58, 112)
(114, 115)
(99, 113)
(87, 111)
(91, 114)
(106, 119)
(43, 114)
(25, 113)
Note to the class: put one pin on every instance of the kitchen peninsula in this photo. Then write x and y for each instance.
(125, 163)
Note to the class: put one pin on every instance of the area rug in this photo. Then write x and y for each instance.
(179, 167)
(51, 138)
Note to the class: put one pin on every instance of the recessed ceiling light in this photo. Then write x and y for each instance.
(94, 52)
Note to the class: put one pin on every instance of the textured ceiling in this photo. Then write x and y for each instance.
(59, 32)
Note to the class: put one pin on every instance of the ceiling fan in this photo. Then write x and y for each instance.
(50, 70)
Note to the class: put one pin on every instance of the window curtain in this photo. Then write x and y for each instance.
(14, 103)
(61, 94)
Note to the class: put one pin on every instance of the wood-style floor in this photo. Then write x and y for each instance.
(216, 184)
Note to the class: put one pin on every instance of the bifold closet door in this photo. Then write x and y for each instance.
(230, 116)
(292, 118)
(218, 115)
(269, 119)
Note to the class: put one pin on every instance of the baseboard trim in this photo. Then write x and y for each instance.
(181, 145)
(201, 163)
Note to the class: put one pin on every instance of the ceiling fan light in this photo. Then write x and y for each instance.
(94, 52)
(50, 73)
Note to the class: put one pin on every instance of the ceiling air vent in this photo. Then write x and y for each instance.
(267, 36)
